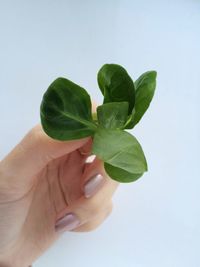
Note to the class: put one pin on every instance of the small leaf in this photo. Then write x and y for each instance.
(116, 85)
(121, 175)
(145, 87)
(112, 115)
(66, 111)
(120, 149)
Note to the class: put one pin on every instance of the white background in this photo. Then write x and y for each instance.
(156, 220)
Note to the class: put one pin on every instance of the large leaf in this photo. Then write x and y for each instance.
(145, 87)
(119, 149)
(66, 111)
(116, 85)
(112, 115)
(121, 175)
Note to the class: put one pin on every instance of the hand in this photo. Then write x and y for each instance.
(46, 188)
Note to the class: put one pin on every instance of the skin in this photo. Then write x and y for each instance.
(41, 180)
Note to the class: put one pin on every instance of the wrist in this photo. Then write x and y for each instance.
(8, 263)
(14, 256)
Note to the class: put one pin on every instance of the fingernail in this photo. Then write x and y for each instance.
(93, 185)
(90, 159)
(67, 223)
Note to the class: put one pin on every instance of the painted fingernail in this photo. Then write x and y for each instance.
(67, 223)
(93, 185)
(90, 159)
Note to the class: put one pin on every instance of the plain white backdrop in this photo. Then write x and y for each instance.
(156, 220)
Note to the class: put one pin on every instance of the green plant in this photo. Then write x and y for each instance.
(66, 114)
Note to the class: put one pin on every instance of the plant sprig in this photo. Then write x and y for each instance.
(66, 114)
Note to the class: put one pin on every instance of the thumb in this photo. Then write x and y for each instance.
(32, 154)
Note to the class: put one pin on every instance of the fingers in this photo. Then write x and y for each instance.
(91, 209)
(71, 222)
(34, 151)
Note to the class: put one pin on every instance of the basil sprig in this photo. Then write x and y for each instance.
(66, 114)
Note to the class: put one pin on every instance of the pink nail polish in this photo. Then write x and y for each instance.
(93, 185)
(69, 222)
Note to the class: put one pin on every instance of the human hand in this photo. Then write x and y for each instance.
(41, 182)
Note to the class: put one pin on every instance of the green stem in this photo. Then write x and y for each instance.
(94, 116)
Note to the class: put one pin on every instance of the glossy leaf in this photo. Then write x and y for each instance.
(116, 85)
(145, 87)
(66, 111)
(112, 115)
(121, 175)
(119, 149)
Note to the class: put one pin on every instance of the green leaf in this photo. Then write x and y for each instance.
(66, 111)
(116, 85)
(112, 115)
(66, 114)
(119, 149)
(145, 87)
(121, 175)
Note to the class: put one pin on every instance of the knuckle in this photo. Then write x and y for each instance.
(36, 134)
(35, 138)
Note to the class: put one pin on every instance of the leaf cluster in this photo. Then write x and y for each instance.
(66, 114)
